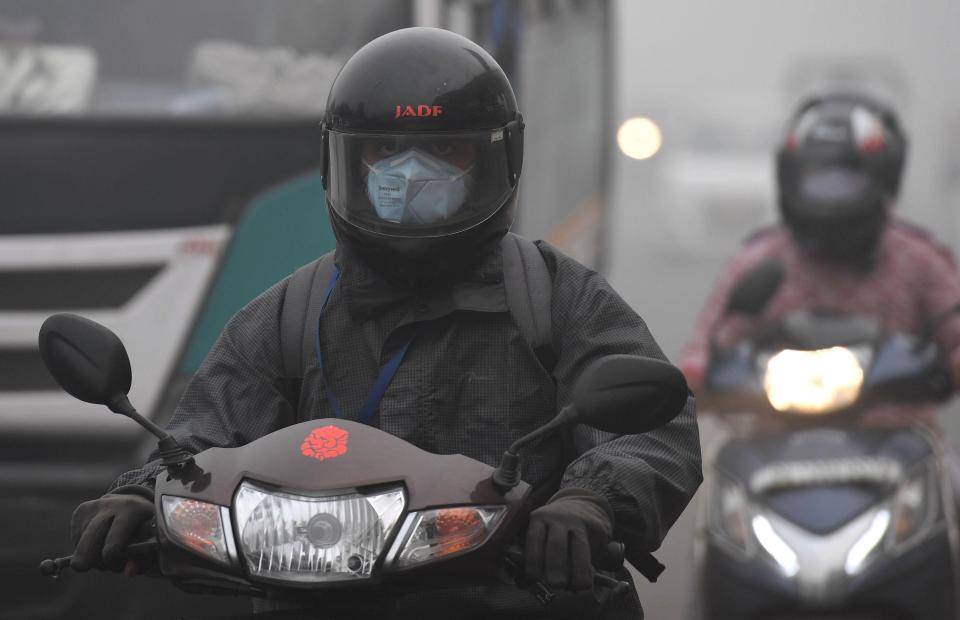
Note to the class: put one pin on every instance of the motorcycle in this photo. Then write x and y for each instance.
(819, 518)
(335, 513)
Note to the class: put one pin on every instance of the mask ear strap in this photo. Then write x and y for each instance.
(513, 142)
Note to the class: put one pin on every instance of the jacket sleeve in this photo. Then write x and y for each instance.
(648, 479)
(237, 395)
(939, 291)
(712, 324)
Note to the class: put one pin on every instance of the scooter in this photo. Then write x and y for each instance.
(821, 519)
(342, 515)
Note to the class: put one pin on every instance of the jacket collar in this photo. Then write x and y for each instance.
(368, 294)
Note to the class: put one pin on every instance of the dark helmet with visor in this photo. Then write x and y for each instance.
(423, 148)
(838, 172)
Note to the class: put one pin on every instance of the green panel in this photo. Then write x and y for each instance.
(282, 229)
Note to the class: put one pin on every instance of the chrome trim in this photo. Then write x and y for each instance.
(226, 522)
(827, 471)
(401, 540)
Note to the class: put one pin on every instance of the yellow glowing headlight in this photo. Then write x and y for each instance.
(813, 382)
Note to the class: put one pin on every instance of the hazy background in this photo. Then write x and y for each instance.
(720, 79)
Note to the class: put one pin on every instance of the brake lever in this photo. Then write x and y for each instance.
(53, 568)
(545, 594)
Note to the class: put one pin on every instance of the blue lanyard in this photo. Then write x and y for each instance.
(369, 407)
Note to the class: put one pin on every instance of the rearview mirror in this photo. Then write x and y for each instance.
(755, 289)
(88, 360)
(629, 394)
(91, 364)
(620, 394)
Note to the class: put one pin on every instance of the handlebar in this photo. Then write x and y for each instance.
(732, 402)
(612, 560)
(54, 567)
(898, 369)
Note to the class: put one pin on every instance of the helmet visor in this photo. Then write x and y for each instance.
(418, 185)
(834, 185)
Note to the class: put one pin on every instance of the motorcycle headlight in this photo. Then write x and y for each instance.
(813, 382)
(729, 512)
(314, 539)
(200, 526)
(438, 534)
(912, 507)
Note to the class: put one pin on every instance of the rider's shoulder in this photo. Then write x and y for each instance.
(765, 234)
(765, 242)
(919, 238)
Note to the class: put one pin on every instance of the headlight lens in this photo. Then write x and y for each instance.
(197, 525)
(729, 512)
(911, 507)
(314, 539)
(813, 382)
(437, 534)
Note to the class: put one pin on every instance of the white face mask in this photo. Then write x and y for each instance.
(414, 187)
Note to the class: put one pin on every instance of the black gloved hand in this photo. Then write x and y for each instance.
(102, 528)
(566, 537)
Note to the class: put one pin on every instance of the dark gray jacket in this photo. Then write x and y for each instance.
(469, 384)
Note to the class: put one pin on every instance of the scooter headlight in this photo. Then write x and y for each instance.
(314, 539)
(912, 507)
(201, 527)
(439, 534)
(813, 382)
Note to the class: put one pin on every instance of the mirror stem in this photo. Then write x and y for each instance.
(121, 404)
(565, 417)
(507, 475)
(171, 453)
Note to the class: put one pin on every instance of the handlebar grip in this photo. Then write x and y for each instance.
(612, 560)
(142, 549)
(53, 568)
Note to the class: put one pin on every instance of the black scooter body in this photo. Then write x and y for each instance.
(474, 546)
(918, 581)
(371, 459)
(819, 482)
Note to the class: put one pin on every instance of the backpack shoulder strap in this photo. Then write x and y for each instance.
(529, 289)
(301, 307)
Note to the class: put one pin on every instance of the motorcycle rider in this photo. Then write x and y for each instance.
(838, 174)
(423, 146)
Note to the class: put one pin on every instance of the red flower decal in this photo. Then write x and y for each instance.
(324, 443)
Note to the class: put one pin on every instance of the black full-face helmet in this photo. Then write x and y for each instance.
(423, 148)
(838, 172)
